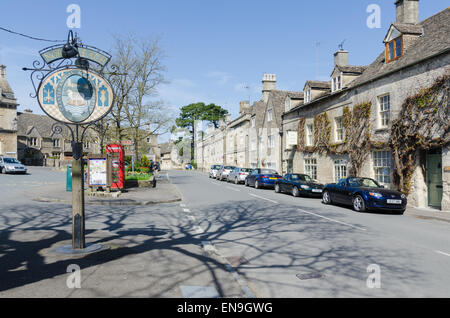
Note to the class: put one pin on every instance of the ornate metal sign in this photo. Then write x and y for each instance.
(75, 96)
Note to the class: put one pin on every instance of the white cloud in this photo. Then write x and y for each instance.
(221, 78)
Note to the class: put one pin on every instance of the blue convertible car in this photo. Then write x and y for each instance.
(364, 194)
(262, 178)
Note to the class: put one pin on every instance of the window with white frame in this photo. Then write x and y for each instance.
(340, 131)
(385, 106)
(270, 115)
(337, 83)
(311, 168)
(287, 104)
(382, 163)
(340, 169)
(271, 142)
(309, 134)
(56, 143)
(308, 95)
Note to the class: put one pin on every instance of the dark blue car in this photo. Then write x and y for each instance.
(364, 194)
(262, 178)
(299, 184)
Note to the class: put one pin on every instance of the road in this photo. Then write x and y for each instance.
(222, 240)
(281, 237)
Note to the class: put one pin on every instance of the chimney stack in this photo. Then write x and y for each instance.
(269, 84)
(407, 11)
(341, 58)
(2, 71)
(244, 107)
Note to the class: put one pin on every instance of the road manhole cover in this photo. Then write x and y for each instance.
(309, 276)
(236, 261)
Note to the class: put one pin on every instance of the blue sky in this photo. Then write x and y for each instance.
(214, 48)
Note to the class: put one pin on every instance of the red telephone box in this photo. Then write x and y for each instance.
(116, 155)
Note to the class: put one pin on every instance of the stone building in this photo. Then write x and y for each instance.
(253, 139)
(414, 56)
(38, 145)
(8, 117)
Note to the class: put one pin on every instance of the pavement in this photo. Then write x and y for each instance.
(221, 240)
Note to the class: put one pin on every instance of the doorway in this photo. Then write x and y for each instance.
(434, 178)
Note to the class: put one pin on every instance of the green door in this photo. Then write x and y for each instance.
(434, 179)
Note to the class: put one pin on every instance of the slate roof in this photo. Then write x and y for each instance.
(318, 84)
(351, 69)
(414, 29)
(435, 40)
(165, 148)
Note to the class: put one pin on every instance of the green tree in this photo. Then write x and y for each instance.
(199, 111)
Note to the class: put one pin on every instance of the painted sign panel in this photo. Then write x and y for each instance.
(75, 96)
(291, 138)
(55, 53)
(98, 169)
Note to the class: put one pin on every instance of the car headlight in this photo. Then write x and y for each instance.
(375, 194)
(403, 196)
(305, 187)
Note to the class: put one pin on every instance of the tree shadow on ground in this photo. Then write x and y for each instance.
(271, 234)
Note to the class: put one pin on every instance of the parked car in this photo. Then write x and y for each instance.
(224, 172)
(299, 184)
(11, 165)
(364, 194)
(214, 170)
(262, 178)
(238, 175)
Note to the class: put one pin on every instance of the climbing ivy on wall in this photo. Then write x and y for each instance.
(423, 123)
(301, 135)
(322, 133)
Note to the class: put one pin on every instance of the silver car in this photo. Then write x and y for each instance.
(214, 170)
(11, 165)
(238, 175)
(224, 172)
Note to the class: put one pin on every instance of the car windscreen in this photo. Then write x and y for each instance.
(215, 167)
(228, 167)
(300, 177)
(10, 160)
(246, 170)
(268, 171)
(363, 182)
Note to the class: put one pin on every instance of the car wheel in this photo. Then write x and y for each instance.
(358, 204)
(246, 183)
(256, 185)
(401, 212)
(326, 198)
(3, 170)
(295, 192)
(277, 188)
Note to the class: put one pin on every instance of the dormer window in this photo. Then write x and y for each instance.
(287, 104)
(337, 83)
(308, 95)
(394, 49)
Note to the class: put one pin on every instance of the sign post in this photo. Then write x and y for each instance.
(71, 89)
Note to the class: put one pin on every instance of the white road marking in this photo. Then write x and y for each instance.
(257, 196)
(439, 252)
(216, 184)
(233, 189)
(183, 205)
(186, 210)
(192, 218)
(332, 220)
